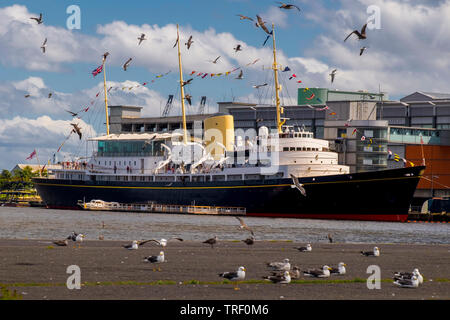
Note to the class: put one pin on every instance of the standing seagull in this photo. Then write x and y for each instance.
(249, 241)
(44, 44)
(155, 259)
(280, 266)
(141, 38)
(332, 75)
(38, 20)
(340, 269)
(235, 276)
(244, 225)
(279, 278)
(211, 241)
(374, 253)
(288, 6)
(61, 243)
(126, 64)
(308, 248)
(409, 275)
(318, 273)
(361, 35)
(133, 246)
(189, 42)
(76, 237)
(407, 283)
(330, 239)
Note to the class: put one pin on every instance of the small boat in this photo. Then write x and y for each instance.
(98, 205)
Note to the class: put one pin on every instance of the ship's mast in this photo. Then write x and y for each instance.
(181, 89)
(277, 86)
(106, 94)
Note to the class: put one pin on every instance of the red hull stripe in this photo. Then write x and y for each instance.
(364, 217)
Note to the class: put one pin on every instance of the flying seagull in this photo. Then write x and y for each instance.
(361, 35)
(126, 64)
(235, 276)
(38, 20)
(237, 48)
(188, 97)
(298, 185)
(374, 253)
(308, 248)
(76, 129)
(162, 242)
(407, 283)
(74, 114)
(244, 225)
(27, 95)
(50, 95)
(261, 24)
(340, 269)
(240, 76)
(141, 38)
(244, 17)
(280, 266)
(189, 42)
(155, 259)
(259, 85)
(318, 273)
(44, 44)
(409, 275)
(215, 61)
(279, 278)
(332, 75)
(211, 241)
(361, 51)
(249, 241)
(288, 6)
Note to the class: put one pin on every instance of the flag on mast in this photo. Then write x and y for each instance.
(31, 156)
(97, 70)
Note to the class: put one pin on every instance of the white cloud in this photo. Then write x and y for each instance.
(20, 136)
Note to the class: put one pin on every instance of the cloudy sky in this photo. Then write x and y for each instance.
(407, 51)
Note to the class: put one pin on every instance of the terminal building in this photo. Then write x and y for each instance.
(367, 129)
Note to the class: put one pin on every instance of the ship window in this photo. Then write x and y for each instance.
(308, 149)
(299, 149)
(285, 149)
(292, 149)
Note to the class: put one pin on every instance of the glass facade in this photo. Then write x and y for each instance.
(128, 148)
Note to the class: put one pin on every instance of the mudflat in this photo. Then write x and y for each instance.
(37, 269)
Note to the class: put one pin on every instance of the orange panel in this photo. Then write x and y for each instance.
(437, 160)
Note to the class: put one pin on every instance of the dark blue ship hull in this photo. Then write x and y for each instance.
(381, 195)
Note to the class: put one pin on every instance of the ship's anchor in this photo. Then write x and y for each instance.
(298, 185)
